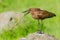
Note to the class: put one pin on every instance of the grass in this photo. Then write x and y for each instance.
(52, 25)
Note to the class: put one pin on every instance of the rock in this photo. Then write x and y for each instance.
(10, 19)
(37, 36)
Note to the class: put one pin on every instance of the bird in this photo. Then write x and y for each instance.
(39, 14)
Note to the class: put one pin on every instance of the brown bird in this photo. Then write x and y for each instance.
(37, 13)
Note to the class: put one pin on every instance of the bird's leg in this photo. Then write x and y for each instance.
(38, 25)
(41, 26)
(39, 30)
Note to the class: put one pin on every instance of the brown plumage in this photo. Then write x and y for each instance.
(37, 13)
(40, 14)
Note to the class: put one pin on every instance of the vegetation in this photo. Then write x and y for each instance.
(52, 25)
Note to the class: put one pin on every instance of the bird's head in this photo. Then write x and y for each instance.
(34, 9)
(31, 10)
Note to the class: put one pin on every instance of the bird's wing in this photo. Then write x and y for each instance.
(48, 14)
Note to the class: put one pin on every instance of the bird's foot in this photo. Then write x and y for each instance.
(40, 32)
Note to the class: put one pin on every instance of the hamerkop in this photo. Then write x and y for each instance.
(39, 14)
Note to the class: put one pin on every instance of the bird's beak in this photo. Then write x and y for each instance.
(26, 12)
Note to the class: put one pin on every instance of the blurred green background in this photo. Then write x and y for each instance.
(52, 25)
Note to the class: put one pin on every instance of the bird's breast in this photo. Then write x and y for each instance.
(35, 15)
